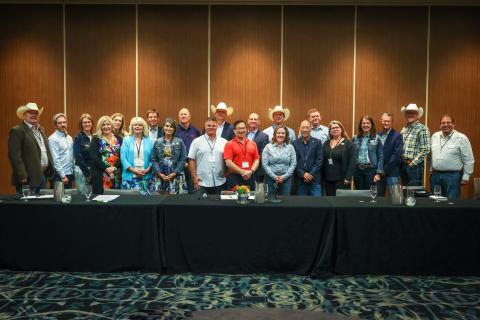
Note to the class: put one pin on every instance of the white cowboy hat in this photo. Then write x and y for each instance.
(276, 109)
(29, 106)
(412, 107)
(222, 106)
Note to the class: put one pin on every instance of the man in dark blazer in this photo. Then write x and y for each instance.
(28, 150)
(392, 154)
(309, 152)
(221, 112)
(261, 139)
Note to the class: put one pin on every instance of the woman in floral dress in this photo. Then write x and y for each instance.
(104, 152)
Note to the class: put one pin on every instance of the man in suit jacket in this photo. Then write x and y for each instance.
(261, 139)
(309, 152)
(28, 150)
(224, 129)
(392, 154)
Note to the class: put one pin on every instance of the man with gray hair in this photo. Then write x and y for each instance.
(392, 154)
(61, 148)
(28, 150)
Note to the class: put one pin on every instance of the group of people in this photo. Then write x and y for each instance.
(175, 158)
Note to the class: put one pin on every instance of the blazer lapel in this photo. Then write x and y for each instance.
(32, 136)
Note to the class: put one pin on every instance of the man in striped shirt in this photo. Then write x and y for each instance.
(416, 146)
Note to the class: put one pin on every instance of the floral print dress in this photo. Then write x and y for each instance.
(178, 184)
(110, 156)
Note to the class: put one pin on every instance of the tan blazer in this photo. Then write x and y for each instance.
(24, 154)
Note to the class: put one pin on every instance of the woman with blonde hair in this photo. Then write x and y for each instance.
(119, 124)
(279, 161)
(105, 157)
(135, 154)
(339, 159)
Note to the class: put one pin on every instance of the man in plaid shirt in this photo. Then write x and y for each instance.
(416, 146)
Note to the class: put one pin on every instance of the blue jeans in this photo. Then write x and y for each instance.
(449, 181)
(412, 175)
(309, 189)
(363, 178)
(283, 188)
(382, 184)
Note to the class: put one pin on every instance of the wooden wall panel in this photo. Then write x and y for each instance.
(100, 50)
(245, 59)
(318, 63)
(455, 74)
(173, 60)
(31, 69)
(391, 60)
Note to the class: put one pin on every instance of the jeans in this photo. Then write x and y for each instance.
(283, 188)
(363, 178)
(70, 178)
(412, 175)
(309, 189)
(449, 181)
(382, 184)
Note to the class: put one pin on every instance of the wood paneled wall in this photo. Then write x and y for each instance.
(345, 61)
(245, 58)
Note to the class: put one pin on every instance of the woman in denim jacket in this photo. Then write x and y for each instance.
(369, 151)
(168, 160)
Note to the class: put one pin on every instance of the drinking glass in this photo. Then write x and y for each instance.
(437, 191)
(88, 192)
(266, 191)
(25, 192)
(373, 192)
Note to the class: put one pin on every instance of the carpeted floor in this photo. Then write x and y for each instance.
(42, 295)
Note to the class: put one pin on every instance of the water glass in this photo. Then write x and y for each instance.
(88, 192)
(25, 192)
(437, 191)
(373, 192)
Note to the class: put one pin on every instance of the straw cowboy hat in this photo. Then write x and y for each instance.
(222, 106)
(276, 109)
(28, 107)
(412, 107)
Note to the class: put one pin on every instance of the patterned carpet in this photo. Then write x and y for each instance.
(42, 295)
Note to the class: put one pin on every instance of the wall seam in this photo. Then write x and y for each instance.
(64, 61)
(208, 60)
(354, 96)
(281, 55)
(136, 59)
(427, 75)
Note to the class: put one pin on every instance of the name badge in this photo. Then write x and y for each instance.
(245, 165)
(330, 161)
(211, 158)
(138, 163)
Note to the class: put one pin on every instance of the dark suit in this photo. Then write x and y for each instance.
(261, 139)
(309, 160)
(392, 158)
(25, 156)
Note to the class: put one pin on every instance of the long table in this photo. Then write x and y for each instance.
(301, 235)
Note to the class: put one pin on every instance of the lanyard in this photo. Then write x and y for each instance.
(331, 149)
(244, 150)
(37, 135)
(211, 146)
(138, 147)
(446, 140)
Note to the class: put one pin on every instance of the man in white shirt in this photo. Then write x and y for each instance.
(319, 131)
(61, 148)
(278, 115)
(152, 120)
(452, 159)
(205, 160)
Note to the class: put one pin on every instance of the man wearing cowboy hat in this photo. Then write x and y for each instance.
(28, 150)
(278, 115)
(224, 129)
(416, 145)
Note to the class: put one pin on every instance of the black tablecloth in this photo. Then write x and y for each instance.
(301, 235)
(102, 237)
(209, 235)
(430, 238)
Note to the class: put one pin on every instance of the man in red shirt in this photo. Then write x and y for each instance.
(241, 157)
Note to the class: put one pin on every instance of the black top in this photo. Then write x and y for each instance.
(81, 144)
(343, 157)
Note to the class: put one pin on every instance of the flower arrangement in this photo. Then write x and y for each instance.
(243, 189)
